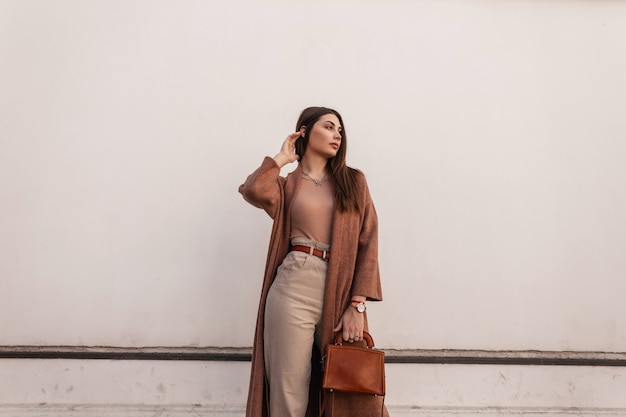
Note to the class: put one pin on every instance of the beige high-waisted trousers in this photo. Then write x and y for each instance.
(292, 316)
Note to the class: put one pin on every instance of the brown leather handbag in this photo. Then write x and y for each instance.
(350, 368)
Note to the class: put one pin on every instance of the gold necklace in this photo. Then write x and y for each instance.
(318, 183)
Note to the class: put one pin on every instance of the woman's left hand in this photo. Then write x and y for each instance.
(352, 323)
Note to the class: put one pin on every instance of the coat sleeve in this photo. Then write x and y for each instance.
(263, 188)
(366, 279)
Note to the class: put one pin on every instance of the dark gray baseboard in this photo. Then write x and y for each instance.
(242, 354)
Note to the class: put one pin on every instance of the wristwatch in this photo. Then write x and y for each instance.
(359, 305)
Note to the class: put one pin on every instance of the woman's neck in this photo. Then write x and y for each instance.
(315, 167)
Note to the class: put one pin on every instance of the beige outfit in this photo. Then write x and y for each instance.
(295, 303)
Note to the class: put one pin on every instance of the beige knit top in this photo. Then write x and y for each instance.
(312, 211)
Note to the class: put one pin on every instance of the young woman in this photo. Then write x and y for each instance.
(322, 265)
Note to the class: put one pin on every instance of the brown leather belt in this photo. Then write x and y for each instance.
(325, 255)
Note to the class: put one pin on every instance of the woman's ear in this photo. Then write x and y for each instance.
(302, 131)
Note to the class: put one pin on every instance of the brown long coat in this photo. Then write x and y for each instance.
(352, 268)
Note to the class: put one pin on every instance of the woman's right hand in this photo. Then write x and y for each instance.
(287, 153)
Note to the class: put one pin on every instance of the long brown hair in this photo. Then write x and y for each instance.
(343, 177)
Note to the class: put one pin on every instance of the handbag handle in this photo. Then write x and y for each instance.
(366, 336)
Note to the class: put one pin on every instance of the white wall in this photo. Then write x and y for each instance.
(146, 388)
(492, 134)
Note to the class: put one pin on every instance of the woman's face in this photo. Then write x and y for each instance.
(325, 136)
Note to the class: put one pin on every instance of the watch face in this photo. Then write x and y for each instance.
(360, 308)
